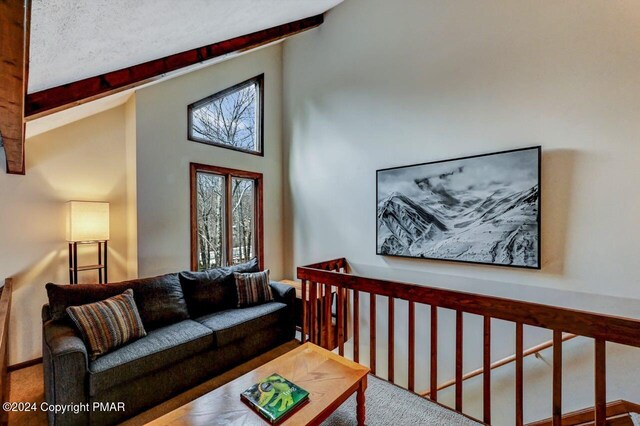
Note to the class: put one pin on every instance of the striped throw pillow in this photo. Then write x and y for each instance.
(253, 288)
(107, 324)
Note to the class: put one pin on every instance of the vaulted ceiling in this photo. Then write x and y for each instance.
(82, 51)
(72, 40)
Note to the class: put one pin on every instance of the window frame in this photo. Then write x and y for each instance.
(228, 174)
(259, 81)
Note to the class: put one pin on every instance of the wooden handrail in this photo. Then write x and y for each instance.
(323, 276)
(5, 311)
(507, 360)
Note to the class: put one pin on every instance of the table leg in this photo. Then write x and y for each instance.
(362, 387)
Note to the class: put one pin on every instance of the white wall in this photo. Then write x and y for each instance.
(383, 84)
(84, 160)
(164, 154)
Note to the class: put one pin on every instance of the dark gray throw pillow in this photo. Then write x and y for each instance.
(215, 289)
(160, 300)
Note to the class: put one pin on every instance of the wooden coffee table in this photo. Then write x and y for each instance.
(329, 378)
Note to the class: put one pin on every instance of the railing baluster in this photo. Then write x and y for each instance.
(519, 374)
(340, 321)
(356, 325)
(557, 378)
(391, 345)
(486, 374)
(433, 373)
(459, 329)
(303, 334)
(313, 299)
(601, 385)
(372, 333)
(327, 317)
(412, 345)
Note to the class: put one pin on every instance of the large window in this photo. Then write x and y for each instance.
(226, 216)
(231, 118)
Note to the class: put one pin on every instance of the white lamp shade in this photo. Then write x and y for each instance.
(87, 221)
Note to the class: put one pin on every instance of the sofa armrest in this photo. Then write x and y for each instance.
(66, 365)
(283, 293)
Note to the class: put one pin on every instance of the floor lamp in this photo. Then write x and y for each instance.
(87, 223)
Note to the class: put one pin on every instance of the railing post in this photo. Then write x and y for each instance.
(356, 325)
(340, 307)
(486, 371)
(601, 385)
(459, 359)
(372, 333)
(519, 375)
(557, 378)
(433, 372)
(313, 299)
(412, 346)
(303, 331)
(391, 342)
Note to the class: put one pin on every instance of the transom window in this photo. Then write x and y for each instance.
(226, 216)
(231, 118)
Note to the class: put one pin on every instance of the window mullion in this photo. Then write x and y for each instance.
(228, 220)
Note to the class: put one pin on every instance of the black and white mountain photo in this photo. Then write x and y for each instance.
(482, 209)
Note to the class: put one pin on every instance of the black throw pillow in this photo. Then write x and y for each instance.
(213, 290)
(160, 300)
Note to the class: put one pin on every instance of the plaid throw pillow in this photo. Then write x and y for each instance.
(253, 288)
(107, 324)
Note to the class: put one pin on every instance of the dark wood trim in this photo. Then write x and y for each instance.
(15, 18)
(391, 342)
(614, 410)
(259, 82)
(600, 383)
(412, 346)
(25, 364)
(372, 333)
(433, 370)
(459, 359)
(5, 313)
(67, 95)
(611, 328)
(557, 379)
(519, 374)
(194, 169)
(356, 326)
(486, 376)
(603, 328)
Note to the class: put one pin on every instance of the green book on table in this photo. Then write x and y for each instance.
(274, 397)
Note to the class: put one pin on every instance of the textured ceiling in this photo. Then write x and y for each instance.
(72, 40)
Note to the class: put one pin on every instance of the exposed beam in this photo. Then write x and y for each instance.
(68, 95)
(14, 48)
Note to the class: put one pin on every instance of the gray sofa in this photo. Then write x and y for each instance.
(194, 331)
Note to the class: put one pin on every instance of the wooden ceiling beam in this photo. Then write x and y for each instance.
(14, 54)
(68, 95)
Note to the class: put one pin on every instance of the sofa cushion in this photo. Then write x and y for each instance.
(107, 324)
(159, 299)
(253, 288)
(159, 349)
(213, 290)
(235, 324)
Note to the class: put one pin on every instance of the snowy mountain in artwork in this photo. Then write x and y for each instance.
(481, 209)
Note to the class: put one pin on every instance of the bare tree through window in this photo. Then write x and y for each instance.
(225, 216)
(231, 118)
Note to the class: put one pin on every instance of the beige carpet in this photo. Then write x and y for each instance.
(27, 385)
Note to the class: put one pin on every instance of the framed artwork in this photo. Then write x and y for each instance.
(478, 209)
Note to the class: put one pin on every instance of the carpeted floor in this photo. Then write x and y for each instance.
(386, 403)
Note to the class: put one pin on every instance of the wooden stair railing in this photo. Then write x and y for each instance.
(617, 413)
(322, 277)
(505, 361)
